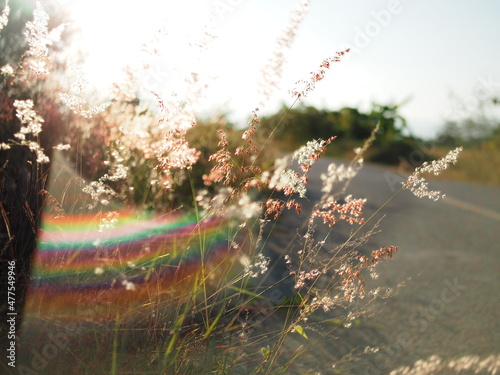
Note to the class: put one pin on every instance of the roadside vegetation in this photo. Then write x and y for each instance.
(394, 145)
(149, 252)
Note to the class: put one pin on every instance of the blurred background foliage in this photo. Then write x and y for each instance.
(478, 132)
(393, 145)
(92, 148)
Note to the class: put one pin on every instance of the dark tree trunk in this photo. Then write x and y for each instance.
(22, 183)
(22, 180)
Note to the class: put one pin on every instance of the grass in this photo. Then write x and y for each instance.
(191, 288)
(477, 164)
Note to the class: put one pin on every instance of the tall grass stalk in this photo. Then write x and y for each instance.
(189, 289)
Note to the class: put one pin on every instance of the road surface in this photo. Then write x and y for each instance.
(448, 261)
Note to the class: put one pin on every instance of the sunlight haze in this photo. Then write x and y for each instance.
(421, 53)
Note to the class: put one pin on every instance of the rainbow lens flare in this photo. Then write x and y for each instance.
(82, 270)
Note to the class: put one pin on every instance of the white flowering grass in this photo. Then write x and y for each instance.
(30, 129)
(145, 158)
(419, 186)
(436, 365)
(76, 101)
(272, 70)
(4, 17)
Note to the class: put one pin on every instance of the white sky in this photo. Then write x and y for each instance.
(419, 50)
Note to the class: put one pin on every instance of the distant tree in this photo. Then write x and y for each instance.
(355, 125)
(471, 126)
(392, 124)
(394, 143)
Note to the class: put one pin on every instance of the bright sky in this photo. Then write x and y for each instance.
(422, 51)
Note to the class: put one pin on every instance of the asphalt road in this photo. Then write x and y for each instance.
(448, 261)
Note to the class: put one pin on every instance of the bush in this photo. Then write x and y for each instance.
(405, 152)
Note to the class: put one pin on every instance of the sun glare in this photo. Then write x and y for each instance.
(114, 33)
